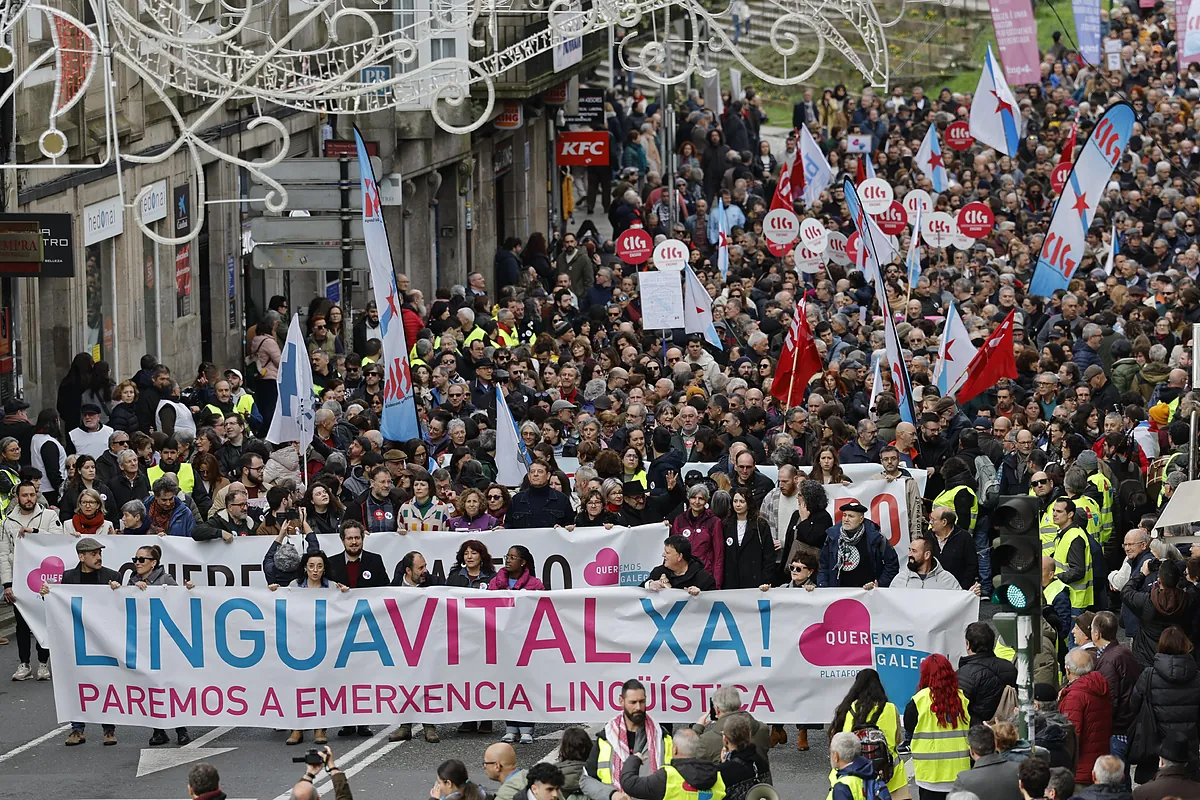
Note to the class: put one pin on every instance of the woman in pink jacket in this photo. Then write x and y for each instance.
(702, 528)
(517, 574)
(264, 349)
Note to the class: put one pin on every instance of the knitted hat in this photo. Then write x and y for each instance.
(1160, 414)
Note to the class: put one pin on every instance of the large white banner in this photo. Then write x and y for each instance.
(596, 557)
(303, 658)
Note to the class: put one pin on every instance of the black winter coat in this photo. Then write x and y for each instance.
(1139, 600)
(1172, 685)
(982, 678)
(752, 563)
(539, 508)
(124, 417)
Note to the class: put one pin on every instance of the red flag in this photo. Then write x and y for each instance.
(798, 168)
(1069, 147)
(783, 189)
(861, 174)
(798, 362)
(993, 361)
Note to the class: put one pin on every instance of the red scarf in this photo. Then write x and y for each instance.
(87, 526)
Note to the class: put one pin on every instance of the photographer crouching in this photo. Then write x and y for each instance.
(315, 760)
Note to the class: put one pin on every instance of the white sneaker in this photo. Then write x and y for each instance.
(43, 672)
(508, 738)
(23, 673)
(526, 738)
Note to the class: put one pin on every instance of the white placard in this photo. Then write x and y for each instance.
(808, 261)
(781, 226)
(671, 254)
(661, 294)
(814, 235)
(916, 200)
(938, 228)
(835, 250)
(876, 195)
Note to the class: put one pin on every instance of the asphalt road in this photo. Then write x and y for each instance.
(256, 764)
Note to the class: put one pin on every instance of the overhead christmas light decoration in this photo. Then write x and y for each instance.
(335, 58)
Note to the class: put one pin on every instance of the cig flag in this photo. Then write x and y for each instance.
(294, 414)
(1063, 246)
(399, 421)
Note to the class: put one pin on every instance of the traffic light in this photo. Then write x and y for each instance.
(1017, 554)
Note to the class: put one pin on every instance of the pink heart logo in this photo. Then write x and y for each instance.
(51, 571)
(842, 639)
(605, 570)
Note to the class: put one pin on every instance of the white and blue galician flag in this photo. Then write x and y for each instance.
(294, 419)
(913, 259)
(929, 160)
(817, 172)
(697, 309)
(868, 165)
(895, 361)
(995, 119)
(721, 239)
(1114, 247)
(876, 249)
(399, 422)
(876, 389)
(1062, 249)
(954, 355)
(512, 457)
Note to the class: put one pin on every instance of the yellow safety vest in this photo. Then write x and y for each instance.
(1104, 485)
(679, 789)
(1081, 591)
(604, 759)
(939, 754)
(886, 722)
(1051, 591)
(1048, 531)
(187, 478)
(1005, 652)
(946, 500)
(244, 406)
(1093, 513)
(6, 499)
(856, 785)
(1162, 492)
(1174, 408)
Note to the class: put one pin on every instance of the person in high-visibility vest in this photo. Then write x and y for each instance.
(936, 722)
(960, 494)
(1041, 486)
(10, 471)
(1177, 460)
(685, 778)
(1088, 512)
(853, 774)
(866, 705)
(1056, 596)
(630, 732)
(1104, 492)
(169, 462)
(1072, 557)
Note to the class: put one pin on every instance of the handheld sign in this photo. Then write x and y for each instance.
(894, 220)
(876, 195)
(835, 251)
(958, 135)
(917, 200)
(781, 226)
(634, 246)
(975, 220)
(814, 235)
(671, 255)
(938, 228)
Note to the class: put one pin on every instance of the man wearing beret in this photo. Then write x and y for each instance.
(856, 554)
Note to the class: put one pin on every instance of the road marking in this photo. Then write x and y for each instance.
(346, 758)
(157, 759)
(32, 744)
(366, 762)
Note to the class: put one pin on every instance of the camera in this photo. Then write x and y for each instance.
(291, 513)
(312, 758)
(1154, 564)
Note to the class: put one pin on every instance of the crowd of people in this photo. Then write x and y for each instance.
(616, 420)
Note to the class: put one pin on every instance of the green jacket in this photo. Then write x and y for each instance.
(1124, 372)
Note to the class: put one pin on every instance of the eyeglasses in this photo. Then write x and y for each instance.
(141, 559)
(1039, 483)
(797, 569)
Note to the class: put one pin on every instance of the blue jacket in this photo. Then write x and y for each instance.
(864, 769)
(884, 563)
(853, 453)
(182, 521)
(508, 268)
(1085, 356)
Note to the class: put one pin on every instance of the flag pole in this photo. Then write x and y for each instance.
(792, 379)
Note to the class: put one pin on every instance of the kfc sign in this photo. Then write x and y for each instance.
(582, 148)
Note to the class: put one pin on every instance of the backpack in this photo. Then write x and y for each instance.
(988, 482)
(876, 789)
(875, 749)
